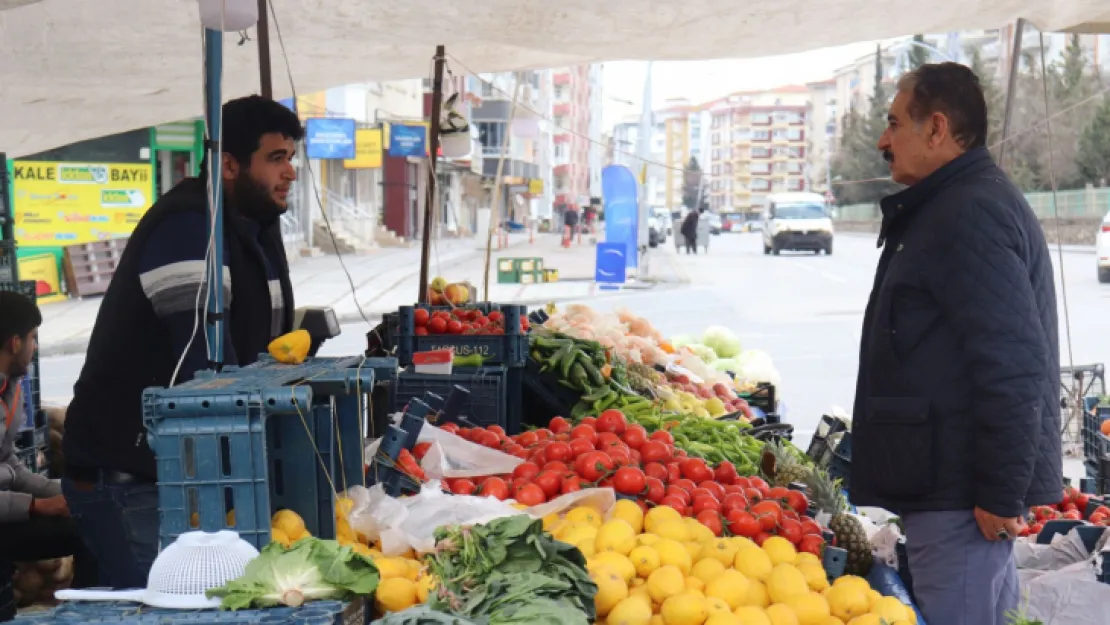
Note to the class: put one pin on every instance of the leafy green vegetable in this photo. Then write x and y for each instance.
(311, 569)
(423, 615)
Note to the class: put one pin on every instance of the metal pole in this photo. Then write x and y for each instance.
(265, 79)
(433, 149)
(213, 69)
(1011, 89)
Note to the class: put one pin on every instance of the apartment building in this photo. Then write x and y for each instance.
(576, 159)
(821, 134)
(623, 144)
(524, 142)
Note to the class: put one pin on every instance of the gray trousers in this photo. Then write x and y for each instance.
(959, 577)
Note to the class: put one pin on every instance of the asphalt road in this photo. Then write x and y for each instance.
(804, 310)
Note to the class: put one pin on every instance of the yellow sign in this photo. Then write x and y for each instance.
(427, 129)
(69, 203)
(312, 105)
(368, 149)
(535, 186)
(43, 269)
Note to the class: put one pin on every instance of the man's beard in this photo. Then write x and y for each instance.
(254, 200)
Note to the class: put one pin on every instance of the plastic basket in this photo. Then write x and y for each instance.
(1095, 444)
(340, 613)
(509, 349)
(486, 405)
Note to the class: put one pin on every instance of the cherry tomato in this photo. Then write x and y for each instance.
(594, 465)
(742, 523)
(585, 432)
(526, 470)
(662, 436)
(489, 439)
(437, 325)
(454, 327)
(463, 487)
(605, 440)
(629, 481)
(674, 473)
(580, 446)
(549, 482)
(530, 495)
(1072, 515)
(655, 451)
(420, 316)
(497, 429)
(812, 543)
(656, 470)
(528, 439)
(620, 456)
(543, 434)
(791, 530)
(611, 421)
(495, 487)
(695, 469)
(712, 520)
(557, 452)
(768, 513)
(655, 490)
(495, 316)
(725, 473)
(559, 425)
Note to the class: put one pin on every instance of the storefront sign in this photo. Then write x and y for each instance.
(535, 186)
(408, 140)
(368, 149)
(330, 138)
(622, 214)
(43, 269)
(68, 203)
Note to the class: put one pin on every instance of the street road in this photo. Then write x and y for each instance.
(804, 310)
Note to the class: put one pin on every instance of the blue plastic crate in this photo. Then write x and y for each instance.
(258, 439)
(509, 349)
(486, 405)
(339, 613)
(888, 583)
(1095, 444)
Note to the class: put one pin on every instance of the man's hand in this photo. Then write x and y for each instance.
(996, 527)
(51, 506)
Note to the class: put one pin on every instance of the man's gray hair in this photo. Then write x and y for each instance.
(952, 90)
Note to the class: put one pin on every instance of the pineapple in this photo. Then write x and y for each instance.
(849, 532)
(781, 467)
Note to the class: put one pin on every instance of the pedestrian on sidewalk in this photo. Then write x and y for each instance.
(690, 231)
(151, 328)
(35, 523)
(956, 425)
(570, 219)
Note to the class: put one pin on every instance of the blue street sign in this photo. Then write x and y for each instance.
(611, 263)
(408, 140)
(330, 138)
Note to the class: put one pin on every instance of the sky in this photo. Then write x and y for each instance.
(701, 81)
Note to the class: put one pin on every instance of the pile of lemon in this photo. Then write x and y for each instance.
(662, 569)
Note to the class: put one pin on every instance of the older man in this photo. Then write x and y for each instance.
(956, 424)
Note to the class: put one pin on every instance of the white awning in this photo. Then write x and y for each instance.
(78, 69)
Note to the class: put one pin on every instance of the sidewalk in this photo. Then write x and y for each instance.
(385, 278)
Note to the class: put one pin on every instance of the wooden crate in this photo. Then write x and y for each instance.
(89, 267)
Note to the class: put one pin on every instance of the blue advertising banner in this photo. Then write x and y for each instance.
(329, 138)
(611, 263)
(408, 140)
(622, 213)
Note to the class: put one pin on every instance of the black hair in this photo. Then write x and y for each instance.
(18, 316)
(246, 119)
(954, 91)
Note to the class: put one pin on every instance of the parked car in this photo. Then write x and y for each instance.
(1102, 250)
(733, 222)
(796, 221)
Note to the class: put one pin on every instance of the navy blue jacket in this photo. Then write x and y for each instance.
(957, 400)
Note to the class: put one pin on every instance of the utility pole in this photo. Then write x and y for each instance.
(433, 151)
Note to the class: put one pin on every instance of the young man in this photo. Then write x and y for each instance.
(150, 331)
(956, 425)
(34, 519)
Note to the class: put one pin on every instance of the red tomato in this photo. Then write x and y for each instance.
(715, 488)
(585, 432)
(655, 451)
(1097, 518)
(768, 513)
(421, 316)
(528, 439)
(759, 484)
(559, 425)
(674, 502)
(530, 495)
(606, 440)
(791, 530)
(761, 537)
(712, 520)
(438, 325)
(620, 456)
(629, 481)
(734, 489)
(421, 331)
(811, 527)
(777, 492)
(695, 469)
(662, 436)
(679, 493)
(495, 487)
(1072, 515)
(590, 421)
(450, 427)
(656, 470)
(557, 452)
(543, 434)
(725, 473)
(571, 485)
(742, 523)
(549, 482)
(454, 327)
(1082, 500)
(489, 439)
(611, 421)
(705, 502)
(634, 436)
(556, 467)
(733, 501)
(686, 485)
(674, 472)
(812, 543)
(526, 470)
(655, 490)
(497, 429)
(798, 501)
(594, 466)
(463, 487)
(742, 482)
(495, 316)
(754, 495)
(420, 450)
(580, 446)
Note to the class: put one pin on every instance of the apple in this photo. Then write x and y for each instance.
(439, 283)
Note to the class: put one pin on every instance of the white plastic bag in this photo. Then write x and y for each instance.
(452, 456)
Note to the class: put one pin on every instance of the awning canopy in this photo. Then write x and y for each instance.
(78, 69)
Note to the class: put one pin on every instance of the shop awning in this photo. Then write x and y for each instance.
(78, 69)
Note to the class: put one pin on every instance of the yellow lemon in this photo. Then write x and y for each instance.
(753, 562)
(613, 534)
(780, 550)
(805, 557)
(810, 608)
(674, 553)
(815, 576)
(389, 568)
(415, 569)
(630, 611)
(854, 581)
(588, 547)
(890, 609)
(706, 569)
(873, 597)
(642, 592)
(586, 515)
(780, 614)
(867, 619)
(279, 536)
(611, 590)
(424, 587)
(577, 533)
(647, 540)
(693, 583)
(832, 620)
(743, 541)
(660, 514)
(289, 522)
(656, 619)
(665, 582)
(757, 594)
(674, 530)
(550, 521)
(645, 560)
(698, 531)
(723, 618)
(750, 615)
(615, 561)
(629, 512)
(716, 605)
(730, 585)
(786, 582)
(694, 548)
(684, 609)
(847, 601)
(721, 549)
(395, 594)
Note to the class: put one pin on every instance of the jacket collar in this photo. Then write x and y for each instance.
(912, 198)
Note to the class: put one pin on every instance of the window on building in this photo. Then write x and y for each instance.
(761, 184)
(795, 134)
(491, 134)
(796, 184)
(760, 168)
(560, 150)
(778, 184)
(794, 167)
(798, 152)
(782, 117)
(716, 169)
(560, 91)
(779, 134)
(761, 152)
(716, 154)
(761, 119)
(761, 135)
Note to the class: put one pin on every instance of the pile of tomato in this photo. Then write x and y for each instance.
(609, 452)
(462, 321)
(1073, 506)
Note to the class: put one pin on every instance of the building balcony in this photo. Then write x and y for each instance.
(561, 137)
(561, 78)
(562, 109)
(563, 168)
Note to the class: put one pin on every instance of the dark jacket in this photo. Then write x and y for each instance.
(957, 399)
(147, 317)
(690, 225)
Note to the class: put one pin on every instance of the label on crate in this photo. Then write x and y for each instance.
(466, 350)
